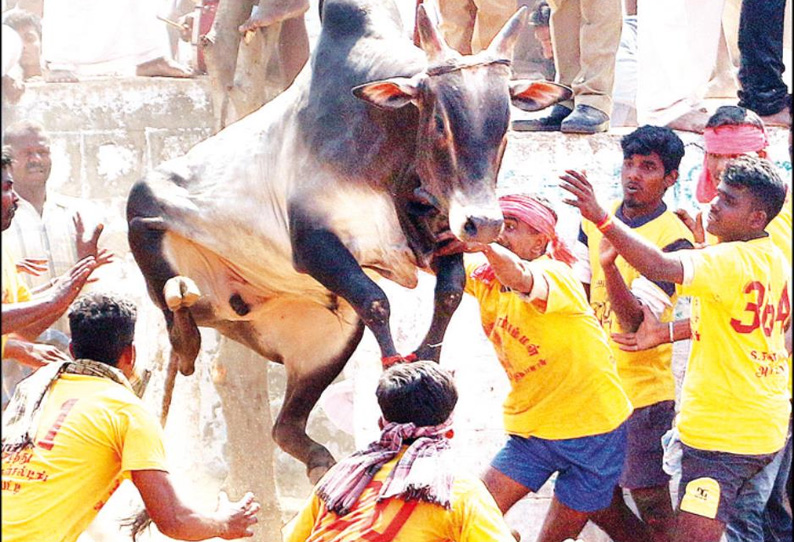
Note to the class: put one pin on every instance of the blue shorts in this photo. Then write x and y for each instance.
(588, 467)
(644, 454)
(711, 481)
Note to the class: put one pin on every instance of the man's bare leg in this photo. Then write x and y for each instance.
(656, 510)
(620, 523)
(270, 12)
(561, 523)
(293, 48)
(163, 67)
(505, 491)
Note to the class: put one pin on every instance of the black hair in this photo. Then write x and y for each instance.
(760, 177)
(5, 157)
(659, 139)
(102, 325)
(734, 115)
(19, 18)
(541, 14)
(421, 393)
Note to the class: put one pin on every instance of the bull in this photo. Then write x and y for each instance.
(378, 155)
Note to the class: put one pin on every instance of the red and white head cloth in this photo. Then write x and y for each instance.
(728, 139)
(539, 217)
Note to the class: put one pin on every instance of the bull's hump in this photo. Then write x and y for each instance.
(357, 18)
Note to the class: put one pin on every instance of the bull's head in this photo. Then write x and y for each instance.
(464, 113)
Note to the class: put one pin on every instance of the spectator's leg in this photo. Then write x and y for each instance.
(761, 46)
(293, 47)
(457, 23)
(565, 22)
(600, 27)
(490, 18)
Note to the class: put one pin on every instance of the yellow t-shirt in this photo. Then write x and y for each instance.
(92, 433)
(473, 517)
(14, 290)
(734, 396)
(646, 375)
(779, 229)
(562, 374)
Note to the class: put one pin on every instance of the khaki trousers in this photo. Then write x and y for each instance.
(468, 26)
(585, 36)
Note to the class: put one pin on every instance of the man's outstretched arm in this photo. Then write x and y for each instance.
(644, 257)
(176, 519)
(39, 313)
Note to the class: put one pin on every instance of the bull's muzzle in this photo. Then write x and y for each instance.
(476, 223)
(481, 229)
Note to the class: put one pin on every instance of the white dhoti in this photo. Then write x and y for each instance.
(102, 36)
(677, 52)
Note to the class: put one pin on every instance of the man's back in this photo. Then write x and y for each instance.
(91, 430)
(473, 517)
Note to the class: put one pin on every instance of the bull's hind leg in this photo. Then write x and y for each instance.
(450, 281)
(146, 232)
(314, 344)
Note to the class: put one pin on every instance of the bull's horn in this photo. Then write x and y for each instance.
(502, 45)
(429, 38)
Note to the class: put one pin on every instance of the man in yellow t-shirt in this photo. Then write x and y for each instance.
(403, 488)
(74, 430)
(651, 157)
(566, 409)
(735, 403)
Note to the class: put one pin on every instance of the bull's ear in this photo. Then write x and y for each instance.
(390, 93)
(537, 95)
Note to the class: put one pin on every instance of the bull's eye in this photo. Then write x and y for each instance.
(439, 123)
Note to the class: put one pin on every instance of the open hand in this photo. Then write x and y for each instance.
(584, 198)
(32, 354)
(238, 516)
(695, 225)
(650, 334)
(32, 266)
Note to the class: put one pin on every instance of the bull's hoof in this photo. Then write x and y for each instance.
(180, 293)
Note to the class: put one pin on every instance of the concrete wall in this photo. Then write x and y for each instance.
(107, 133)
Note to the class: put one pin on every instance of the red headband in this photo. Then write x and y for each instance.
(728, 139)
(536, 215)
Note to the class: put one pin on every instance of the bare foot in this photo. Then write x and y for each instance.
(163, 67)
(691, 121)
(269, 12)
(781, 118)
(60, 76)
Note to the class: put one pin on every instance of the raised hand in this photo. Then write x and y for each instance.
(86, 245)
(238, 516)
(695, 225)
(584, 198)
(68, 285)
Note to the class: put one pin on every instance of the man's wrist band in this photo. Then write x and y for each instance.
(670, 331)
(605, 223)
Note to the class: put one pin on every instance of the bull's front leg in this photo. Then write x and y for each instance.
(319, 253)
(450, 280)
